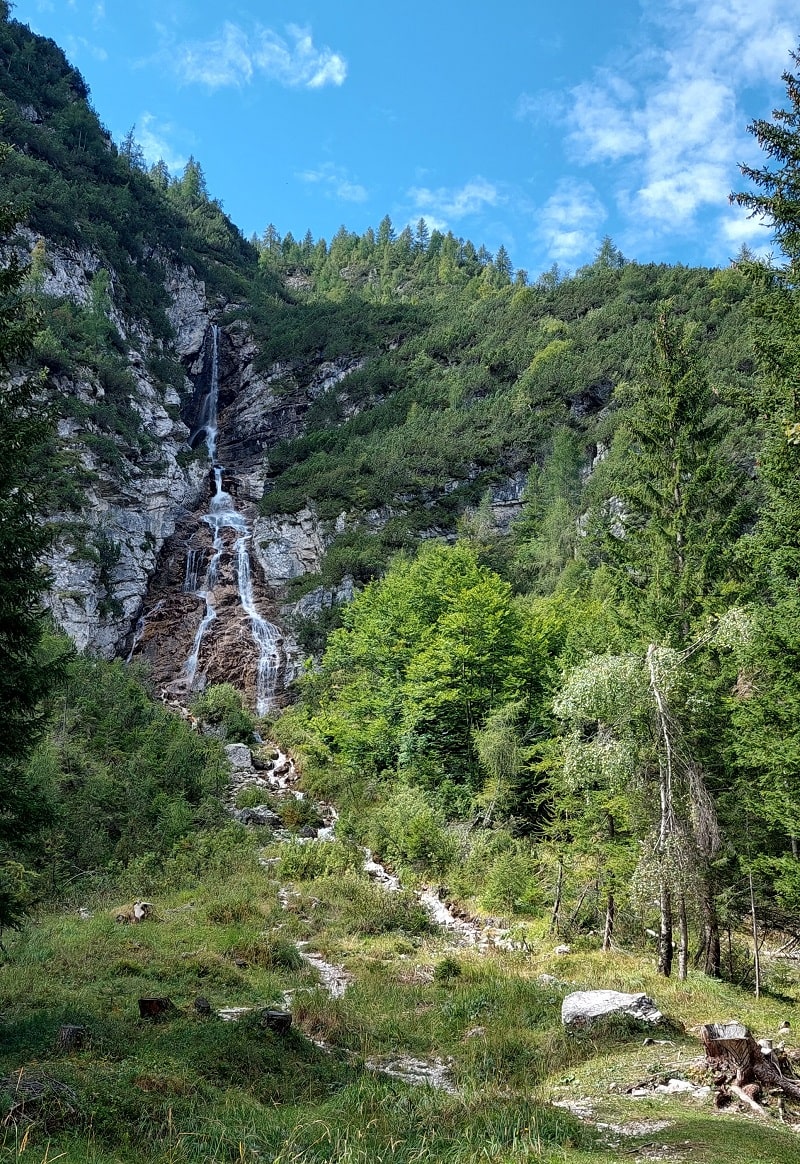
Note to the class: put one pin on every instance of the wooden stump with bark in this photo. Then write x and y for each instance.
(743, 1067)
(155, 1008)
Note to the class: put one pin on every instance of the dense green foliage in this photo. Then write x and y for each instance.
(469, 375)
(26, 674)
(665, 634)
(582, 719)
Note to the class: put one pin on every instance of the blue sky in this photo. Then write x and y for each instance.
(543, 126)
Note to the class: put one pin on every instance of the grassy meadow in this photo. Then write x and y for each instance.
(194, 1088)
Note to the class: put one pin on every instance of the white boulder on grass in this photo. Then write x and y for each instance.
(582, 1006)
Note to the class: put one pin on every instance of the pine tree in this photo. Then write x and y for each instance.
(503, 266)
(422, 236)
(24, 676)
(778, 195)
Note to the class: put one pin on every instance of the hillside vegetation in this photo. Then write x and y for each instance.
(580, 723)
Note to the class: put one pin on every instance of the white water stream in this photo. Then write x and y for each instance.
(222, 517)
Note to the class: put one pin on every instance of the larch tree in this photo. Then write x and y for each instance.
(673, 503)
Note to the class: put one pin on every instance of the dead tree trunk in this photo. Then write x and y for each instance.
(557, 901)
(712, 954)
(756, 953)
(665, 934)
(683, 948)
(608, 932)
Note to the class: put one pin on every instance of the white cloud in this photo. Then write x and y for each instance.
(603, 129)
(736, 229)
(153, 138)
(672, 117)
(335, 181)
(236, 56)
(569, 222)
(444, 204)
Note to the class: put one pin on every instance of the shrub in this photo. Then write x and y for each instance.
(221, 705)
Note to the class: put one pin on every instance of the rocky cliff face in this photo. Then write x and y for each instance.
(102, 558)
(255, 409)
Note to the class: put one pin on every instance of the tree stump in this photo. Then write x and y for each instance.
(71, 1038)
(155, 1008)
(730, 1047)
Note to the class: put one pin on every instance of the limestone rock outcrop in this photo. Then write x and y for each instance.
(582, 1006)
(102, 559)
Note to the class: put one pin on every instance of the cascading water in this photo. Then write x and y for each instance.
(223, 516)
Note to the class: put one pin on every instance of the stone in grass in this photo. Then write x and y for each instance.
(262, 814)
(239, 755)
(582, 1006)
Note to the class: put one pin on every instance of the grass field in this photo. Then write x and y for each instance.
(194, 1088)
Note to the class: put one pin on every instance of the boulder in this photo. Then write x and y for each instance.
(582, 1006)
(239, 755)
(262, 814)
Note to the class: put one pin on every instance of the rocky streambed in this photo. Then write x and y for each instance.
(277, 776)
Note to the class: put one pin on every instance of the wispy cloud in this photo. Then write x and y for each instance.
(153, 137)
(672, 117)
(665, 123)
(735, 229)
(570, 220)
(450, 204)
(237, 56)
(335, 181)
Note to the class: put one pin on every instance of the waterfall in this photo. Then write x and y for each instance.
(194, 560)
(222, 516)
(141, 623)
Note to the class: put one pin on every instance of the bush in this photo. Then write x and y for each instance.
(364, 908)
(318, 859)
(221, 705)
(408, 831)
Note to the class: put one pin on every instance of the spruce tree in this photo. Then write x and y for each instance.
(24, 677)
(766, 741)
